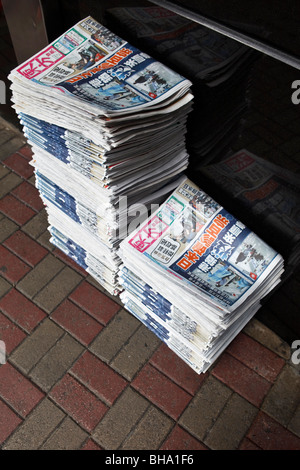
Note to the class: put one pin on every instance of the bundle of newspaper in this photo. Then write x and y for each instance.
(106, 122)
(195, 275)
(267, 195)
(218, 66)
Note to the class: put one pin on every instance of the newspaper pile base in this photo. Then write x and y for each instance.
(105, 121)
(218, 67)
(266, 194)
(195, 275)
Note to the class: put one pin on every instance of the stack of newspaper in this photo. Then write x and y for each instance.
(107, 126)
(195, 275)
(266, 195)
(219, 68)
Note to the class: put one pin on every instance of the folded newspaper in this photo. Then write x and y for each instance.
(195, 275)
(267, 195)
(105, 121)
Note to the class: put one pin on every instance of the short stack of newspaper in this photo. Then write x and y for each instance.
(107, 126)
(218, 66)
(195, 275)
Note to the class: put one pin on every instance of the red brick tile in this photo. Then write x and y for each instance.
(179, 439)
(21, 310)
(77, 322)
(101, 307)
(82, 405)
(26, 248)
(16, 210)
(268, 434)
(26, 152)
(91, 445)
(241, 379)
(99, 377)
(18, 391)
(19, 165)
(61, 255)
(10, 334)
(176, 369)
(27, 193)
(11, 267)
(246, 444)
(257, 357)
(9, 421)
(161, 391)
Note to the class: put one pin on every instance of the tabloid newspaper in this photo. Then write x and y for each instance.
(195, 275)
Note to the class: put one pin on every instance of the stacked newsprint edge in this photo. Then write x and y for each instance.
(107, 126)
(195, 275)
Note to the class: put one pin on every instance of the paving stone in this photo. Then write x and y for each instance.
(120, 420)
(94, 302)
(16, 210)
(268, 434)
(4, 286)
(111, 339)
(78, 402)
(283, 398)
(28, 194)
(11, 146)
(17, 391)
(19, 165)
(8, 182)
(161, 391)
(135, 352)
(10, 333)
(11, 267)
(9, 421)
(69, 261)
(57, 289)
(263, 361)
(241, 379)
(98, 377)
(232, 424)
(294, 424)
(68, 436)
(202, 412)
(90, 445)
(56, 362)
(26, 152)
(268, 338)
(39, 276)
(78, 323)
(37, 225)
(7, 227)
(165, 360)
(21, 310)
(150, 432)
(179, 439)
(25, 248)
(35, 346)
(44, 240)
(37, 427)
(246, 444)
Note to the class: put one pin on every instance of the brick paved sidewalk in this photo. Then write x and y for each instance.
(82, 373)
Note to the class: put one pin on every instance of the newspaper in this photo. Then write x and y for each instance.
(91, 64)
(195, 275)
(271, 195)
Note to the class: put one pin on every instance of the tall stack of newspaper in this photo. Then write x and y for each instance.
(195, 275)
(219, 68)
(107, 126)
